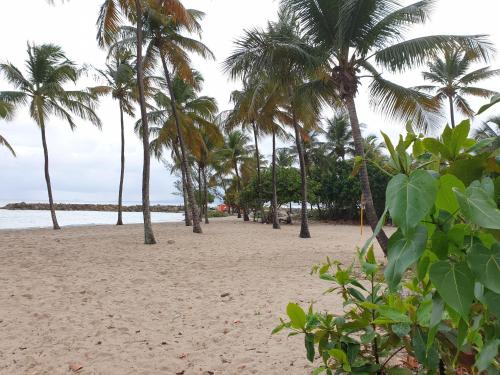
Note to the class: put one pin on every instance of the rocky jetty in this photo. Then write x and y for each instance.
(90, 207)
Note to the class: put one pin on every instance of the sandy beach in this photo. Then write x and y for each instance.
(97, 298)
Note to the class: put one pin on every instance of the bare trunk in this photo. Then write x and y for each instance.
(371, 214)
(274, 204)
(304, 227)
(149, 238)
(187, 212)
(452, 111)
(122, 167)
(205, 189)
(238, 187)
(184, 161)
(55, 224)
(259, 183)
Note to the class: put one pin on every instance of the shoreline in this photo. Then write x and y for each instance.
(23, 206)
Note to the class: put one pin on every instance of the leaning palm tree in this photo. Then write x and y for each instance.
(196, 115)
(111, 17)
(453, 81)
(120, 82)
(357, 35)
(6, 110)
(43, 89)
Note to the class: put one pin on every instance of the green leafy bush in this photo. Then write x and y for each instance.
(438, 296)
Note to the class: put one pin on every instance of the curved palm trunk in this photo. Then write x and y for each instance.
(274, 204)
(55, 224)
(184, 162)
(122, 167)
(149, 238)
(371, 214)
(205, 190)
(238, 186)
(452, 111)
(187, 213)
(304, 227)
(259, 183)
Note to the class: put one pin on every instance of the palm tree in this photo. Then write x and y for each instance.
(339, 141)
(353, 36)
(43, 89)
(453, 81)
(6, 110)
(490, 129)
(109, 21)
(285, 56)
(196, 115)
(234, 153)
(120, 83)
(165, 43)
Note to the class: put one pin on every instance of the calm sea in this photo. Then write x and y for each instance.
(41, 219)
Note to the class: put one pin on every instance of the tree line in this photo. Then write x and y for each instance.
(316, 56)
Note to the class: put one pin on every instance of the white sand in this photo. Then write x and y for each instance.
(99, 298)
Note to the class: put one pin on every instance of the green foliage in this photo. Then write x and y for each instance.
(438, 298)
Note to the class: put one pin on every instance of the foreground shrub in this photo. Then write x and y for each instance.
(438, 297)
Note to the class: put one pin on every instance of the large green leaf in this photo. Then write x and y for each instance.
(437, 148)
(409, 199)
(459, 137)
(403, 252)
(468, 170)
(297, 316)
(445, 198)
(485, 264)
(478, 206)
(492, 300)
(487, 355)
(455, 284)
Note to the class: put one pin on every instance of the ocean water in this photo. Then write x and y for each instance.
(20, 219)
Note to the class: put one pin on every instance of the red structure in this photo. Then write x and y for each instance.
(222, 208)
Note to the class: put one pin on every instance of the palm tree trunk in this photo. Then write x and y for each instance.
(122, 167)
(149, 238)
(205, 189)
(371, 214)
(55, 224)
(259, 183)
(187, 213)
(274, 204)
(200, 193)
(184, 161)
(238, 187)
(452, 111)
(304, 227)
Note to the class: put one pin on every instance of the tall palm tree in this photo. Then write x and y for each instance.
(453, 80)
(121, 83)
(111, 17)
(285, 55)
(165, 42)
(234, 153)
(256, 108)
(43, 89)
(6, 110)
(355, 36)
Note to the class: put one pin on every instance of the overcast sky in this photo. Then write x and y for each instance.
(85, 163)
